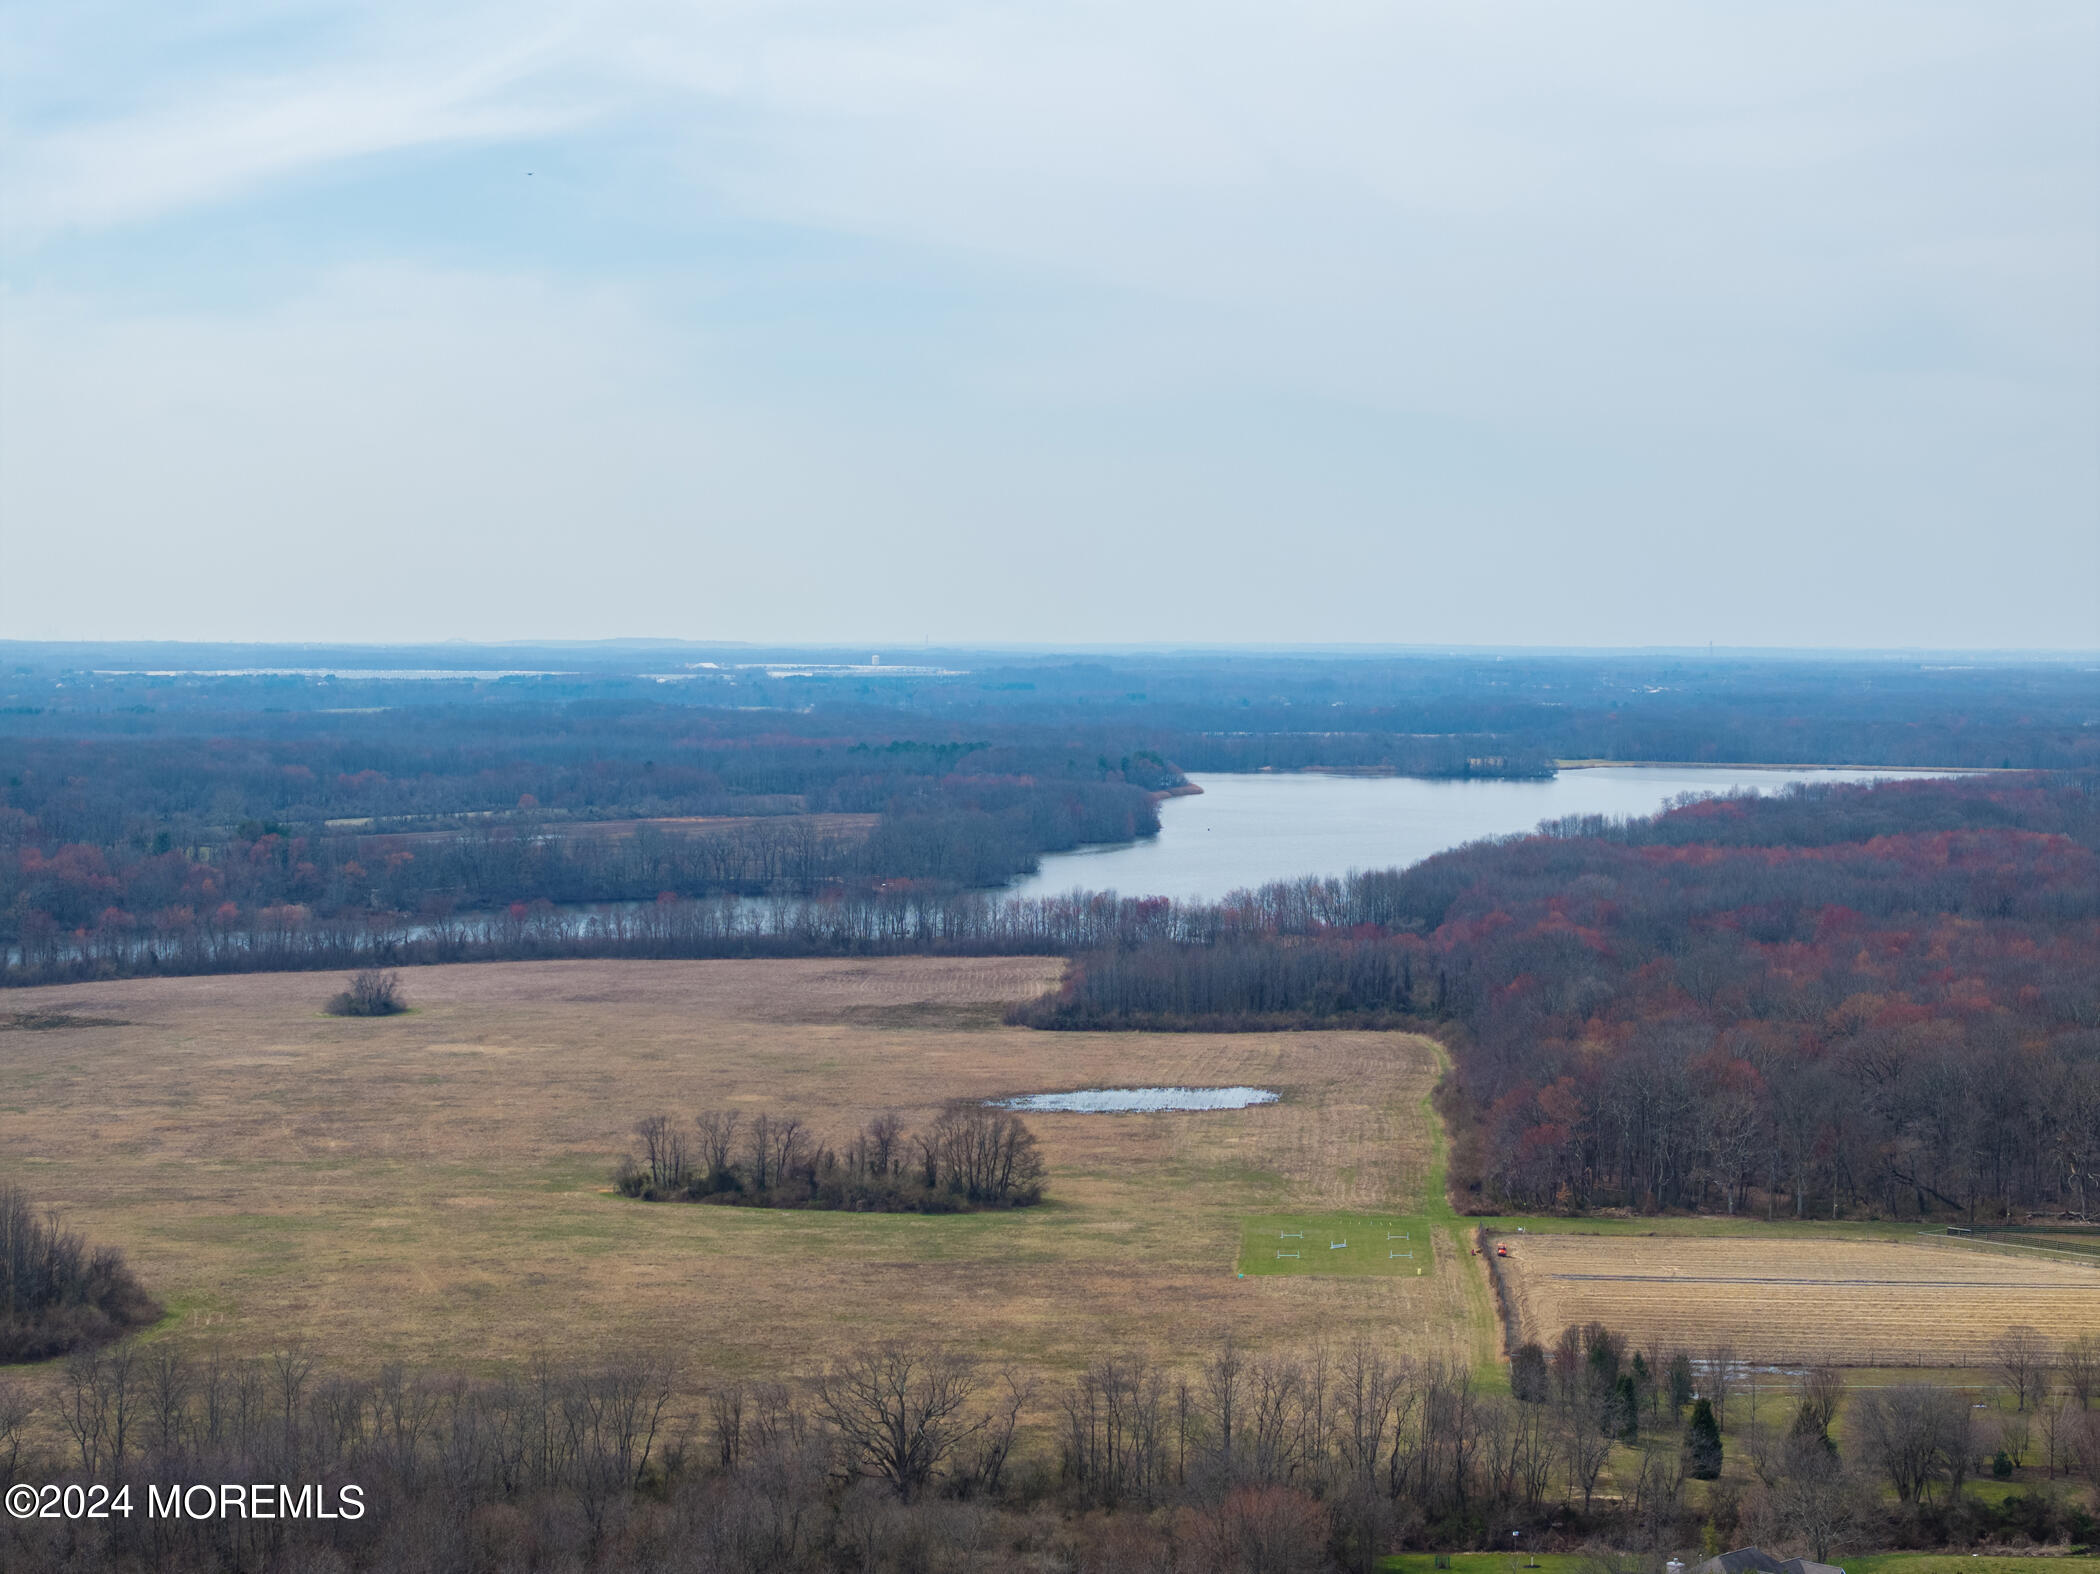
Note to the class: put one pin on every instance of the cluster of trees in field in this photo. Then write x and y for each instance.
(915, 1456)
(968, 1157)
(1881, 997)
(371, 993)
(56, 1291)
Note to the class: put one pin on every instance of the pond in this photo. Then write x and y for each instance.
(1243, 831)
(1117, 1101)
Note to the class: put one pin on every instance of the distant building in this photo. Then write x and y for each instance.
(1755, 1560)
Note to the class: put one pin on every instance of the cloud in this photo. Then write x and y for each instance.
(226, 133)
(1194, 319)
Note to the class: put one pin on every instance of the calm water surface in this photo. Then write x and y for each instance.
(1245, 830)
(1113, 1101)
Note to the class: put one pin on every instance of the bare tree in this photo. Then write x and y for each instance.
(789, 1138)
(758, 1151)
(725, 1414)
(2080, 1364)
(102, 1396)
(1814, 1497)
(2021, 1355)
(1224, 1398)
(985, 1467)
(882, 1145)
(2087, 1447)
(663, 1152)
(1585, 1446)
(1918, 1435)
(1822, 1391)
(169, 1380)
(15, 1411)
(291, 1369)
(2016, 1433)
(717, 1129)
(2059, 1422)
(1717, 1381)
(900, 1412)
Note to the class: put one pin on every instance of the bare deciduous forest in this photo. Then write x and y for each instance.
(1879, 998)
(913, 1456)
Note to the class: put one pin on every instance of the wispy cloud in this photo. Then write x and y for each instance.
(1150, 278)
(225, 133)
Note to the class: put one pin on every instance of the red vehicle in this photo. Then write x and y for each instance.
(1501, 1250)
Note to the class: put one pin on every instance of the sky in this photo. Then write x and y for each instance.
(1336, 321)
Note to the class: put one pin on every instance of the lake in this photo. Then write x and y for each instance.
(1247, 830)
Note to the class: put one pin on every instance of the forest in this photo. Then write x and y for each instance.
(1882, 998)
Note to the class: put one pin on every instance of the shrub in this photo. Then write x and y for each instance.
(371, 994)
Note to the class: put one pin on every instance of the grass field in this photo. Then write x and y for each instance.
(1358, 1245)
(1490, 1563)
(434, 1186)
(1875, 1563)
(1957, 1563)
(1782, 1297)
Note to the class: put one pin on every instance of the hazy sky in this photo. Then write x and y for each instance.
(1328, 320)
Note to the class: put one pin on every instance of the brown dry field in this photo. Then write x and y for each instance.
(433, 1187)
(1864, 1303)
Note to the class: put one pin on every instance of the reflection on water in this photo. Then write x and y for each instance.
(1114, 1101)
(1243, 831)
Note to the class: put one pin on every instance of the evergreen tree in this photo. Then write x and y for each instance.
(1625, 1421)
(1808, 1431)
(1702, 1443)
(1527, 1374)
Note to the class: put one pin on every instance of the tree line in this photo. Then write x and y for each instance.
(915, 1455)
(969, 1157)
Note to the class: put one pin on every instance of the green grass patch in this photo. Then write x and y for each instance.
(1944, 1563)
(1579, 1563)
(1341, 1245)
(1493, 1563)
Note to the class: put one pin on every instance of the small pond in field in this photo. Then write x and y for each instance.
(1114, 1101)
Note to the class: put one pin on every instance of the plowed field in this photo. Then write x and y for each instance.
(1778, 1299)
